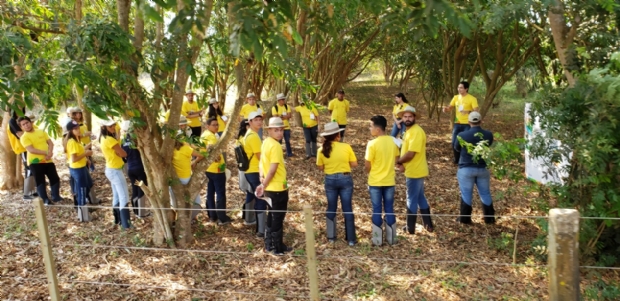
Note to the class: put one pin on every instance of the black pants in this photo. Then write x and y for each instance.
(45, 169)
(275, 218)
(196, 131)
(310, 134)
(134, 175)
(342, 133)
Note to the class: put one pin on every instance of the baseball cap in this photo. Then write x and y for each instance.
(474, 117)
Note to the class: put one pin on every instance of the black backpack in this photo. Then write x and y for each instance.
(243, 162)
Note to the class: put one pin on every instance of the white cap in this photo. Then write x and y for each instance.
(254, 114)
(474, 117)
(189, 92)
(250, 95)
(280, 96)
(212, 101)
(107, 122)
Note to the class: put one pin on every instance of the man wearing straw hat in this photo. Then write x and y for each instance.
(413, 163)
(282, 110)
(192, 112)
(250, 107)
(274, 186)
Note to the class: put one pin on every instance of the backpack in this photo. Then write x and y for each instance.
(285, 107)
(243, 162)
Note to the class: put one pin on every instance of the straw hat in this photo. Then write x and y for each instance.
(331, 128)
(407, 109)
(280, 96)
(212, 101)
(182, 120)
(250, 95)
(275, 122)
(189, 92)
(254, 115)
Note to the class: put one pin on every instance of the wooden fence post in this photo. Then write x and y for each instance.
(48, 257)
(311, 253)
(563, 255)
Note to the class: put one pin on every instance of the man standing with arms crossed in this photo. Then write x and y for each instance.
(274, 185)
(464, 103)
(339, 107)
(413, 163)
(473, 170)
(40, 150)
(192, 112)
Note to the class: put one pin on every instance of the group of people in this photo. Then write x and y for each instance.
(264, 179)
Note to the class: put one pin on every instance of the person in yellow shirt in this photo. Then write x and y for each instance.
(273, 185)
(398, 128)
(339, 107)
(216, 112)
(252, 147)
(85, 135)
(464, 103)
(40, 150)
(310, 122)
(113, 154)
(247, 214)
(250, 107)
(193, 113)
(14, 132)
(182, 163)
(336, 159)
(217, 177)
(413, 163)
(282, 110)
(380, 160)
(77, 155)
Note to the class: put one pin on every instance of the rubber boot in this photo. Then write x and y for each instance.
(411, 220)
(390, 233)
(83, 214)
(313, 149)
(427, 220)
(457, 156)
(56, 192)
(28, 188)
(117, 216)
(125, 218)
(268, 240)
(465, 217)
(134, 205)
(308, 150)
(331, 229)
(222, 218)
(249, 215)
(92, 197)
(260, 224)
(377, 235)
(195, 211)
(140, 209)
(279, 248)
(349, 230)
(489, 214)
(43, 194)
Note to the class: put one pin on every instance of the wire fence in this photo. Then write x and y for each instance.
(309, 257)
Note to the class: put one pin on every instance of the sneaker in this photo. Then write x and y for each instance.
(331, 240)
(224, 223)
(286, 250)
(351, 243)
(249, 223)
(260, 235)
(47, 202)
(29, 197)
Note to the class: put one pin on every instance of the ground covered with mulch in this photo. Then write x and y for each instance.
(98, 261)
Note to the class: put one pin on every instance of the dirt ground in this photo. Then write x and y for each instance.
(98, 261)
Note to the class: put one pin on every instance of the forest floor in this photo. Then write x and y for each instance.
(98, 261)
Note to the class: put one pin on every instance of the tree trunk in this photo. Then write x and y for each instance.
(10, 178)
(563, 36)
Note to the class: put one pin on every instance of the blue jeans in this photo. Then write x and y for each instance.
(467, 177)
(339, 185)
(287, 142)
(396, 132)
(310, 134)
(458, 128)
(120, 196)
(382, 198)
(415, 195)
(254, 180)
(81, 184)
(216, 186)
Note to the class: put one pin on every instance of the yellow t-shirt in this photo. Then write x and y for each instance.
(74, 147)
(398, 108)
(306, 119)
(247, 109)
(382, 153)
(112, 160)
(38, 140)
(84, 139)
(339, 110)
(220, 123)
(217, 166)
(271, 152)
(166, 116)
(182, 161)
(415, 141)
(17, 146)
(280, 112)
(468, 102)
(338, 160)
(189, 108)
(252, 145)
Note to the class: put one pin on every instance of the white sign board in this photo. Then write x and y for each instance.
(541, 169)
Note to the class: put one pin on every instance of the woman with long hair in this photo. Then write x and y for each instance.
(182, 163)
(114, 154)
(85, 135)
(336, 159)
(135, 172)
(247, 214)
(398, 129)
(216, 112)
(76, 156)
